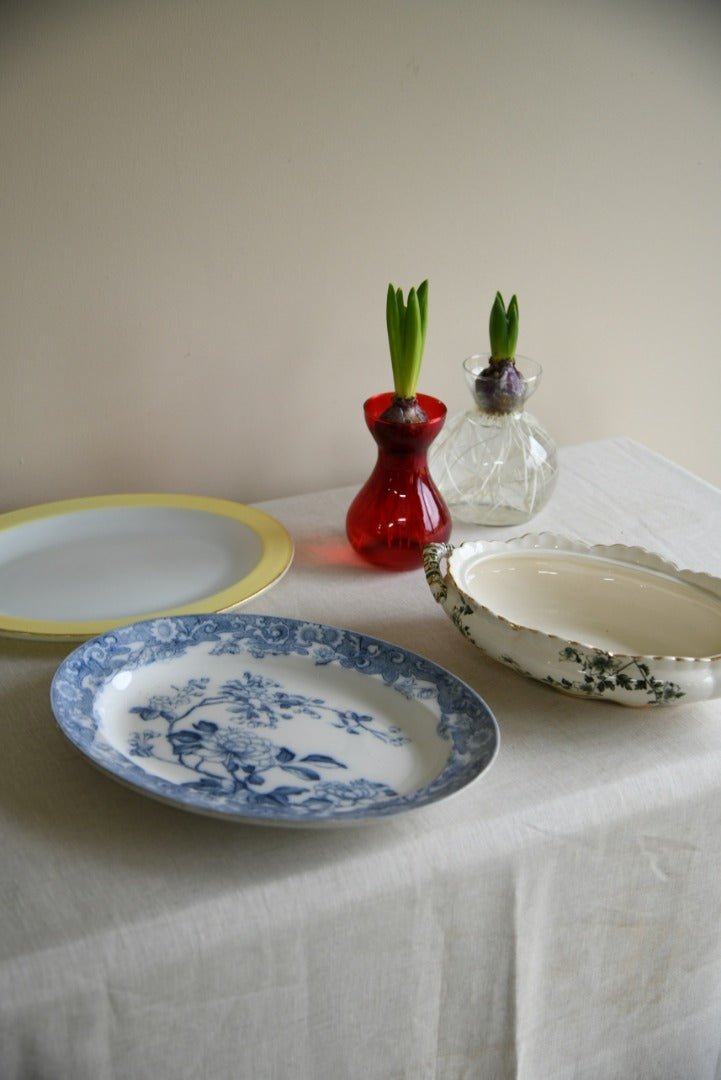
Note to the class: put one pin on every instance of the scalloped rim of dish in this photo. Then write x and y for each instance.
(633, 558)
(276, 557)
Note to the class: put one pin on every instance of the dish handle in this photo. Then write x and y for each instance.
(432, 556)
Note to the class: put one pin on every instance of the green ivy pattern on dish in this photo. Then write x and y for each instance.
(604, 674)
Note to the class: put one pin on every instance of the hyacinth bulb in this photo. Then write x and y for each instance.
(500, 387)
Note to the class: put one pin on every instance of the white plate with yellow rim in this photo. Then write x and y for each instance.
(80, 567)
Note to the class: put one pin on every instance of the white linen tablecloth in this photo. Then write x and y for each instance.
(557, 920)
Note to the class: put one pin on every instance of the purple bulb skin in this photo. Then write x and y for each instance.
(500, 388)
(404, 411)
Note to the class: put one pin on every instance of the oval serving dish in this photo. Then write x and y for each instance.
(266, 720)
(612, 622)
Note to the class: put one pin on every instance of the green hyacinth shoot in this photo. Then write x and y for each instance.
(500, 388)
(503, 328)
(407, 323)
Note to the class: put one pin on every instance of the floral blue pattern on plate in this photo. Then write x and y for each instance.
(257, 718)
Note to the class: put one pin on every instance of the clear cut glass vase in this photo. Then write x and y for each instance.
(495, 464)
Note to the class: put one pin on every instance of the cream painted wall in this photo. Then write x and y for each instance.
(203, 203)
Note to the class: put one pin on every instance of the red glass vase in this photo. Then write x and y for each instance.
(399, 509)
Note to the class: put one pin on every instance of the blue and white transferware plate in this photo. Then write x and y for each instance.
(270, 720)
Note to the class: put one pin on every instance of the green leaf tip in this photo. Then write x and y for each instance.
(503, 328)
(407, 323)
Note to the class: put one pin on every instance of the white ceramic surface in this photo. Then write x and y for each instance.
(612, 622)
